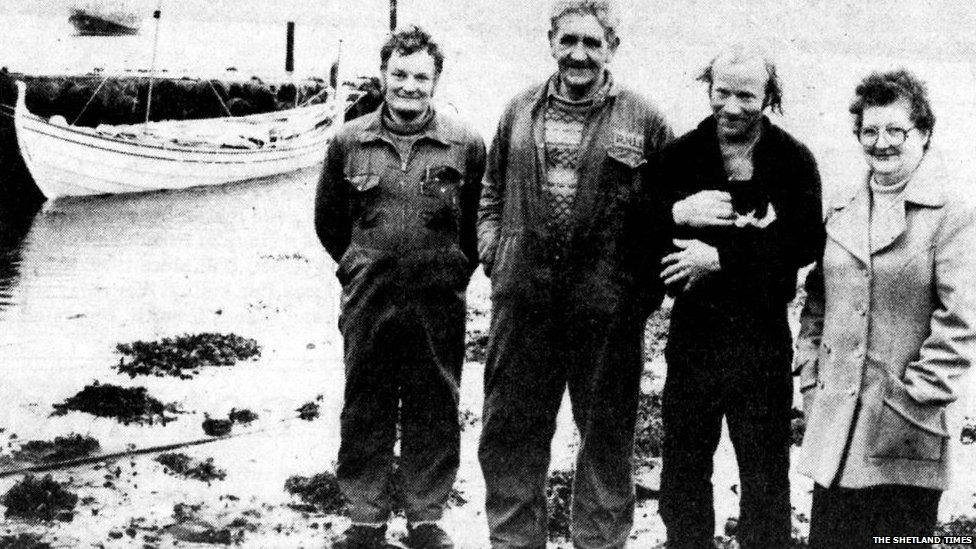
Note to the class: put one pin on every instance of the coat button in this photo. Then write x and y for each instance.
(862, 311)
(852, 392)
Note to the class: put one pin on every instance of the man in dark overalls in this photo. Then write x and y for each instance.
(396, 209)
(747, 210)
(571, 237)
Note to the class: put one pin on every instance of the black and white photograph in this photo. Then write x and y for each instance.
(487, 274)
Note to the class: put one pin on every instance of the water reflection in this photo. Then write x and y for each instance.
(14, 228)
(163, 262)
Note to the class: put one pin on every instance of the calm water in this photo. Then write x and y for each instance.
(81, 276)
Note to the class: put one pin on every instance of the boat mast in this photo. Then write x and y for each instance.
(152, 65)
(340, 89)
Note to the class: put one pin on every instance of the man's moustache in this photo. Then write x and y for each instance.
(577, 65)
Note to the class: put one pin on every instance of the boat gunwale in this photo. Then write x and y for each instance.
(307, 138)
(216, 157)
(312, 138)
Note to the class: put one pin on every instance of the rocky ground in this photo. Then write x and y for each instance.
(224, 486)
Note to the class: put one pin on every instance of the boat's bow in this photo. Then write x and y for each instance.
(74, 161)
(21, 105)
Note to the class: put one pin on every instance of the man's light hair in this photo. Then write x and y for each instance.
(742, 53)
(604, 10)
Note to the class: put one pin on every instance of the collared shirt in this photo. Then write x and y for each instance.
(424, 198)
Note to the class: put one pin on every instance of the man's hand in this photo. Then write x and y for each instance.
(704, 209)
(693, 262)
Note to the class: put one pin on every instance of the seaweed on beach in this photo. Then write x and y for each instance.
(456, 498)
(60, 449)
(475, 346)
(243, 416)
(798, 426)
(216, 427)
(320, 491)
(968, 433)
(656, 333)
(39, 499)
(184, 356)
(23, 541)
(649, 439)
(467, 418)
(182, 465)
(127, 405)
(957, 526)
(308, 411)
(559, 495)
(190, 527)
(798, 529)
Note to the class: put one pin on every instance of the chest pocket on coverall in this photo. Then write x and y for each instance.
(441, 187)
(365, 189)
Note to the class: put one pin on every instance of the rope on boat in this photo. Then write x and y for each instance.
(90, 99)
(219, 98)
(152, 65)
(314, 97)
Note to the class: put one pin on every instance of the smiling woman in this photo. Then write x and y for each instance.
(893, 122)
(887, 331)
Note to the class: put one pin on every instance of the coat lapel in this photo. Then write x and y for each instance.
(923, 189)
(889, 225)
(847, 224)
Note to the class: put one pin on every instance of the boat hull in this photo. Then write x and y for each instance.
(65, 161)
(88, 24)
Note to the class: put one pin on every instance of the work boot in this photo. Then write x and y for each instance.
(362, 536)
(428, 535)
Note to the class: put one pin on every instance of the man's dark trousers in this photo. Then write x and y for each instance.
(404, 348)
(534, 354)
(729, 344)
(738, 367)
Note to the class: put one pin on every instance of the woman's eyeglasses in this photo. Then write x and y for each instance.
(895, 136)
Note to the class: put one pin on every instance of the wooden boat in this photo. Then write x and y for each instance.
(79, 161)
(100, 19)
